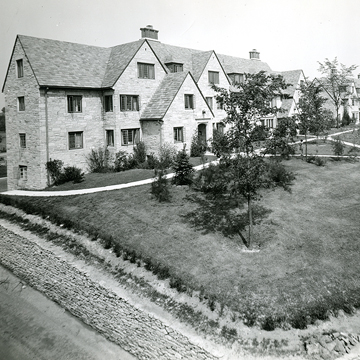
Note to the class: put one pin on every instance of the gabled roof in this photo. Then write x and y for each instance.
(164, 96)
(286, 105)
(60, 63)
(232, 64)
(199, 62)
(119, 58)
(291, 77)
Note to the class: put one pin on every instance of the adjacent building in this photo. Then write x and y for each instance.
(64, 99)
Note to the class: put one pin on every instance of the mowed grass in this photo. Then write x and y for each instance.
(94, 180)
(309, 244)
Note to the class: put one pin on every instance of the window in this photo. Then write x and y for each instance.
(174, 67)
(129, 103)
(108, 103)
(209, 101)
(146, 71)
(75, 140)
(22, 141)
(189, 101)
(110, 137)
(178, 134)
(21, 103)
(130, 136)
(20, 68)
(219, 104)
(213, 77)
(23, 172)
(219, 127)
(236, 78)
(74, 103)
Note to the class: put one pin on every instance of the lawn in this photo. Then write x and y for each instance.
(309, 250)
(94, 180)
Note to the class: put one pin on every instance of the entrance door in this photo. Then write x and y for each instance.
(202, 133)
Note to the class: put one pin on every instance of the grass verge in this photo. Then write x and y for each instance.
(308, 262)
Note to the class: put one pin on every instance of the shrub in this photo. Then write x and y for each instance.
(99, 161)
(167, 156)
(124, 161)
(220, 144)
(54, 169)
(140, 152)
(338, 147)
(159, 186)
(183, 169)
(152, 161)
(198, 147)
(60, 175)
(72, 173)
(346, 119)
(320, 161)
(279, 176)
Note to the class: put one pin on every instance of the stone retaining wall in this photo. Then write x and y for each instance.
(136, 332)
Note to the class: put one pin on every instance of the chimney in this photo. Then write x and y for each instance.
(149, 32)
(254, 54)
(358, 76)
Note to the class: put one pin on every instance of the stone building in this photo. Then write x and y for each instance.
(64, 99)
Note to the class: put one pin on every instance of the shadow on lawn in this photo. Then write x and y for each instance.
(222, 214)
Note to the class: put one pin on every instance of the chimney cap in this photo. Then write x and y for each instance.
(254, 54)
(149, 32)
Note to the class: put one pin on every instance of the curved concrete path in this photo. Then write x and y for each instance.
(136, 183)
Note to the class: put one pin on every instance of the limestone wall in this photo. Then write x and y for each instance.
(135, 331)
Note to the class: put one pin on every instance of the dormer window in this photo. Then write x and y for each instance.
(175, 67)
(236, 78)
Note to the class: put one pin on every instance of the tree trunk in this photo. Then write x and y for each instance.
(249, 244)
(306, 146)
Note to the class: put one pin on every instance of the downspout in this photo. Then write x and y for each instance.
(47, 133)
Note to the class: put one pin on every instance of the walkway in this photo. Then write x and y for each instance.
(138, 183)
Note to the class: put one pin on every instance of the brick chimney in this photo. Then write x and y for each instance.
(254, 54)
(149, 32)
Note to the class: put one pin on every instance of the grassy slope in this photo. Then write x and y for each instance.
(309, 243)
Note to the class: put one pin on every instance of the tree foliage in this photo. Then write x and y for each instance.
(245, 173)
(311, 116)
(335, 80)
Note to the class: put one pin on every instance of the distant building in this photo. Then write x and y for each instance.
(64, 99)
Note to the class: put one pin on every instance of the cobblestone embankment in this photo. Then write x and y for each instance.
(135, 331)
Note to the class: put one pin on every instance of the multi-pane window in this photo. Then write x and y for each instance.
(236, 78)
(22, 140)
(110, 137)
(130, 136)
(178, 134)
(174, 67)
(209, 101)
(21, 103)
(213, 77)
(108, 103)
(129, 102)
(20, 68)
(75, 140)
(189, 101)
(23, 172)
(219, 127)
(146, 71)
(219, 105)
(74, 103)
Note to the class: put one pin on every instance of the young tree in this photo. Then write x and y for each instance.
(311, 116)
(335, 80)
(245, 106)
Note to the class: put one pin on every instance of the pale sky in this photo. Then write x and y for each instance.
(290, 34)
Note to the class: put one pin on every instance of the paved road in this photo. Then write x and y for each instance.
(34, 327)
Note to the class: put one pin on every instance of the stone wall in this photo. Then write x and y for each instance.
(26, 122)
(135, 331)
